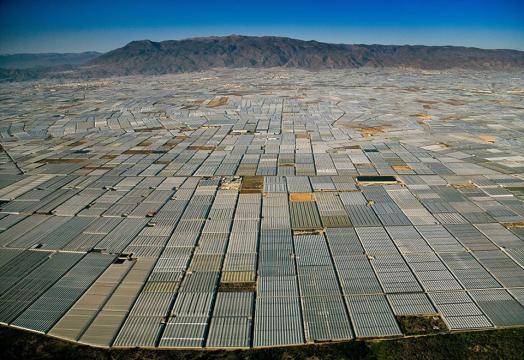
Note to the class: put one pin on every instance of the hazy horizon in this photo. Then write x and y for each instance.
(275, 35)
(28, 26)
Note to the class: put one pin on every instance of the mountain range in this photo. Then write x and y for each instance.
(235, 51)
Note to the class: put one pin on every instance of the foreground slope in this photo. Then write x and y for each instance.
(500, 344)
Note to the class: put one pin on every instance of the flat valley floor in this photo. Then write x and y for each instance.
(260, 208)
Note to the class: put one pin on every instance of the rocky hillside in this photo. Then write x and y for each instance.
(196, 54)
(148, 57)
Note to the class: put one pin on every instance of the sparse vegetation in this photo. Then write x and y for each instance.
(499, 344)
(421, 325)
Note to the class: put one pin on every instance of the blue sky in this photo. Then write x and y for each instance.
(73, 25)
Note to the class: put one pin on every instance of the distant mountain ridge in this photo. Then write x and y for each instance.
(195, 54)
(28, 61)
(147, 57)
